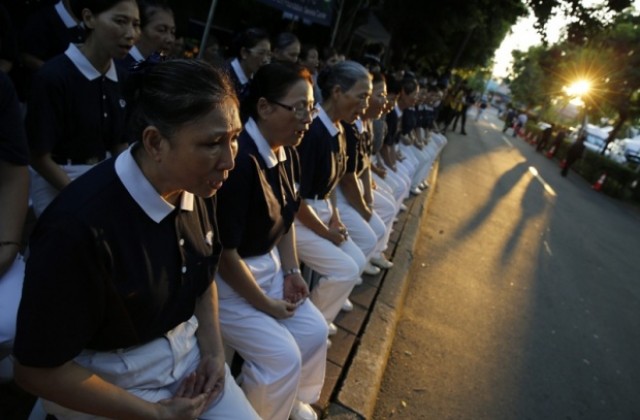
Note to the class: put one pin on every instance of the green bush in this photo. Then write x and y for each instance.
(619, 179)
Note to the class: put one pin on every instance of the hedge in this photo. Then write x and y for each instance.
(622, 182)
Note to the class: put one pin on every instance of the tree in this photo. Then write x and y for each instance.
(607, 59)
(585, 19)
(445, 35)
(620, 85)
(527, 77)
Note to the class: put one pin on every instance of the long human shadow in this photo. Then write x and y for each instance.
(532, 204)
(503, 185)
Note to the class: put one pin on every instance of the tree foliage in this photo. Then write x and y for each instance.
(584, 19)
(609, 59)
(439, 36)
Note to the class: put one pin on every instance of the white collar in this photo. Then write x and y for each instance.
(135, 53)
(359, 125)
(86, 68)
(324, 117)
(143, 192)
(242, 77)
(64, 14)
(398, 110)
(262, 144)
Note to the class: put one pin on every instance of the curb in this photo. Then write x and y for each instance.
(359, 390)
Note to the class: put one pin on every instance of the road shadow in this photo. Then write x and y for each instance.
(502, 187)
(533, 204)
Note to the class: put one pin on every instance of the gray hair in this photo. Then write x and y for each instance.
(344, 74)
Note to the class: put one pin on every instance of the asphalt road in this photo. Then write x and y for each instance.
(524, 301)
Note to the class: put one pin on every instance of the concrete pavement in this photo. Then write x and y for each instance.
(358, 356)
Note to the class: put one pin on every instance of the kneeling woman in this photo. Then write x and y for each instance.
(264, 313)
(119, 287)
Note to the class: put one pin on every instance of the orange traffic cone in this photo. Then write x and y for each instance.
(551, 152)
(598, 184)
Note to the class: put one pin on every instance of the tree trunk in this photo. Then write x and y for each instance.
(622, 118)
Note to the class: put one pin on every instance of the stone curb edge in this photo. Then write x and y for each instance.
(359, 391)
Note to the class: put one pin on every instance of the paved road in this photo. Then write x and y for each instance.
(525, 294)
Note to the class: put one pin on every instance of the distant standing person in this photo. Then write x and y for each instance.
(483, 105)
(544, 138)
(508, 120)
(574, 153)
(520, 123)
(556, 143)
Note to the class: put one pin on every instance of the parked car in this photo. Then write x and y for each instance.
(632, 149)
(621, 151)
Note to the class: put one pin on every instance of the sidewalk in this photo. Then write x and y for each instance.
(358, 357)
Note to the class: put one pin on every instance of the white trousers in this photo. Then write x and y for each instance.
(368, 235)
(10, 294)
(387, 209)
(410, 163)
(43, 193)
(340, 267)
(401, 177)
(389, 185)
(154, 371)
(423, 167)
(284, 359)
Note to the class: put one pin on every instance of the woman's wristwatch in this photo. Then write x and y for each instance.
(291, 271)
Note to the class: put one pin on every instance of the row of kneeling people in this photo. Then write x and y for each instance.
(120, 315)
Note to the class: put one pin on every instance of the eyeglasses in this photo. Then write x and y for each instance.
(301, 110)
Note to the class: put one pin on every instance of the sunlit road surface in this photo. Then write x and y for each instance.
(525, 293)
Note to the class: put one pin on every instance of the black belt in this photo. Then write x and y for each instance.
(73, 161)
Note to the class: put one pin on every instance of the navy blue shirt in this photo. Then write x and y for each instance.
(13, 140)
(74, 112)
(112, 265)
(46, 35)
(409, 120)
(258, 202)
(322, 158)
(393, 128)
(358, 148)
(241, 81)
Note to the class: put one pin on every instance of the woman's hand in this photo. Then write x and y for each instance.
(295, 289)
(182, 406)
(210, 376)
(280, 309)
(379, 170)
(337, 231)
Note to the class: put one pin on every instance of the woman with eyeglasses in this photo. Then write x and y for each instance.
(264, 311)
(252, 50)
(322, 240)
